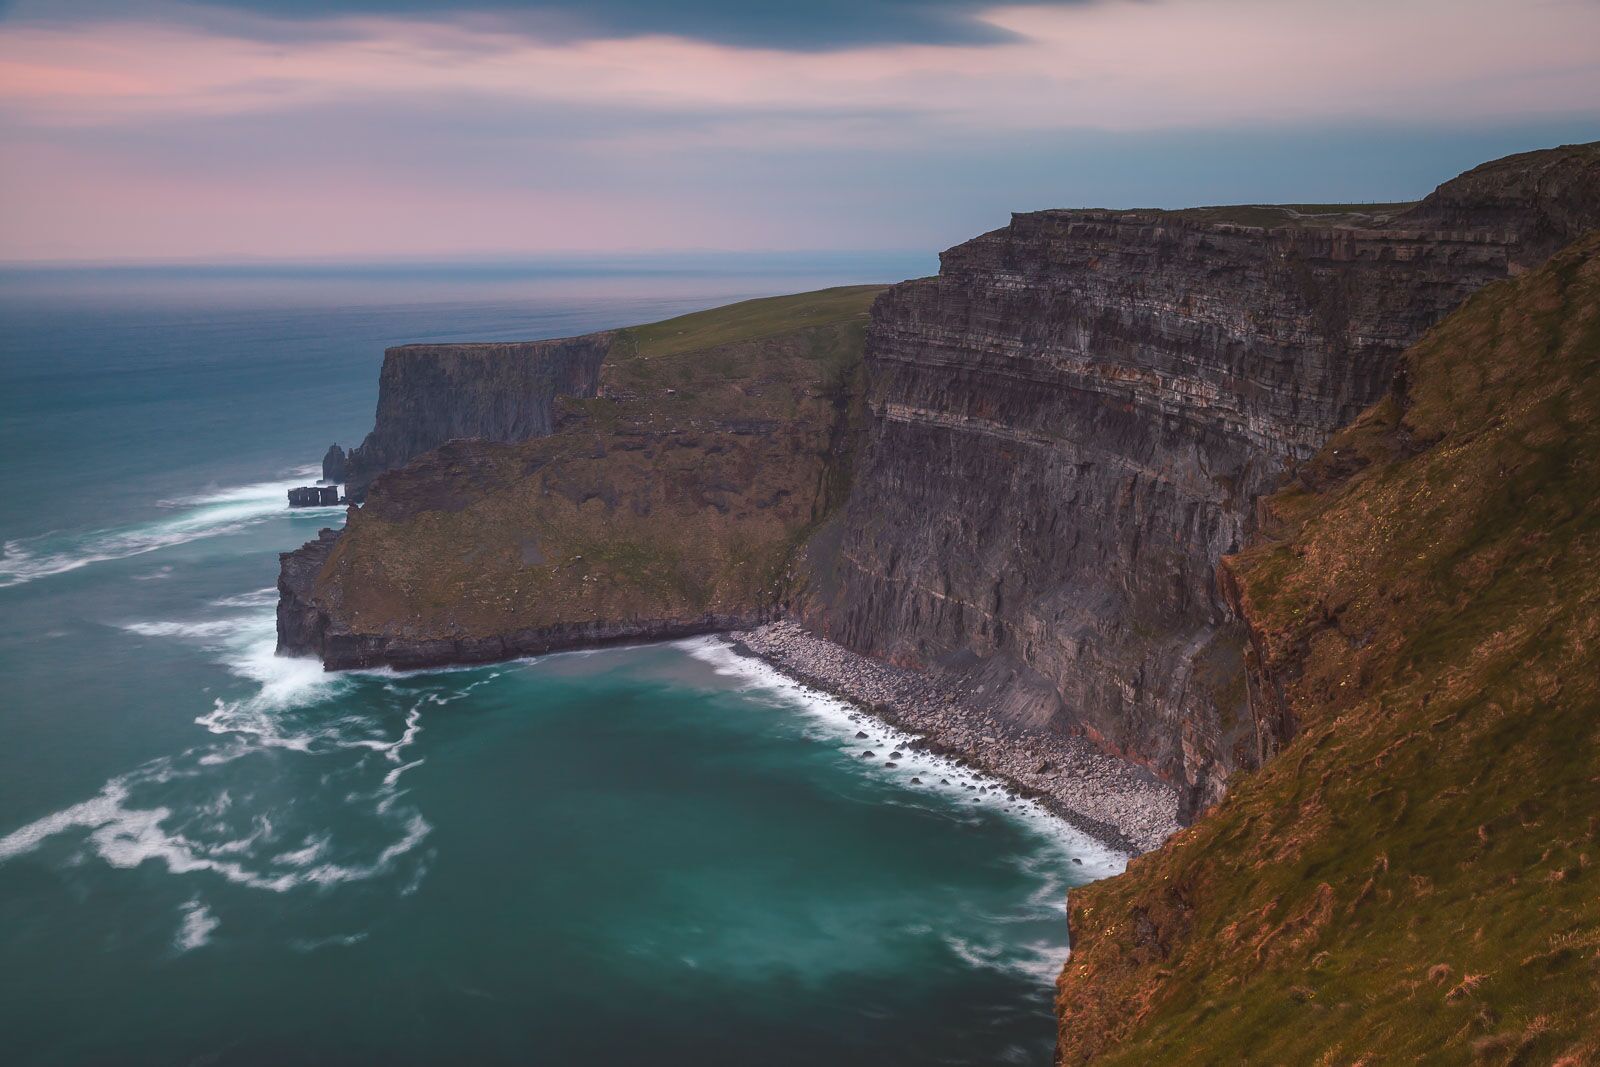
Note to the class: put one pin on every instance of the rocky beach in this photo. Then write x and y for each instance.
(1105, 797)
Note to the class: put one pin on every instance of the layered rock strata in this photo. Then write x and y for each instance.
(1070, 424)
(1411, 880)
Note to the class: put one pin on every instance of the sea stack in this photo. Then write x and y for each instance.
(333, 464)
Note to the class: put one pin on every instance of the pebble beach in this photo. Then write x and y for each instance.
(1117, 803)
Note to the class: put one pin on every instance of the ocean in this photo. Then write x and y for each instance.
(210, 854)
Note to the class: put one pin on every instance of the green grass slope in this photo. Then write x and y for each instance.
(752, 320)
(1414, 879)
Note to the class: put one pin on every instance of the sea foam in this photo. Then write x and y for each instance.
(229, 826)
(197, 927)
(192, 518)
(837, 721)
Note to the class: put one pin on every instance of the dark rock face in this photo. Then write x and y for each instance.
(314, 496)
(1071, 423)
(333, 464)
(430, 394)
(300, 621)
(344, 650)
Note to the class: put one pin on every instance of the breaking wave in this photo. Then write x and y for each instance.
(837, 721)
(192, 518)
(266, 824)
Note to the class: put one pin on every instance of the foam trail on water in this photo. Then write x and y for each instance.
(247, 646)
(1038, 961)
(237, 825)
(196, 517)
(198, 924)
(96, 811)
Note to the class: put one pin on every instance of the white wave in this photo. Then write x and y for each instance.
(126, 837)
(131, 823)
(248, 644)
(198, 925)
(206, 515)
(1040, 961)
(311, 944)
(394, 776)
(96, 811)
(837, 722)
(302, 857)
(265, 597)
(213, 629)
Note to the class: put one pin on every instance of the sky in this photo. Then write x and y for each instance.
(135, 130)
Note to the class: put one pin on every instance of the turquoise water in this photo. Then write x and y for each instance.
(209, 854)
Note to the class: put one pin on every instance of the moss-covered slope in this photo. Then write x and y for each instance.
(1414, 878)
(669, 502)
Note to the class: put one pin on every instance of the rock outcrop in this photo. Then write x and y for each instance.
(430, 394)
(333, 464)
(314, 496)
(1070, 425)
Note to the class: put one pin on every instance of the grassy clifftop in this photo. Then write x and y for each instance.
(1416, 877)
(717, 439)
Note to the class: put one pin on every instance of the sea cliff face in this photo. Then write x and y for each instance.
(430, 394)
(1411, 879)
(1070, 425)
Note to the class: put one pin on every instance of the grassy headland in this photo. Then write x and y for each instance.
(717, 440)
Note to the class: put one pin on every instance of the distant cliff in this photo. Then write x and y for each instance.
(1412, 879)
(1070, 425)
(679, 467)
(430, 394)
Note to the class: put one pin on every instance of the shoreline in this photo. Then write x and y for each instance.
(1114, 802)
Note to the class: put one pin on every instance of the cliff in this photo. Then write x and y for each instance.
(1070, 425)
(1411, 878)
(675, 478)
(430, 394)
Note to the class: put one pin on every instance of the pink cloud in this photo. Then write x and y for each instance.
(1124, 64)
(138, 139)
